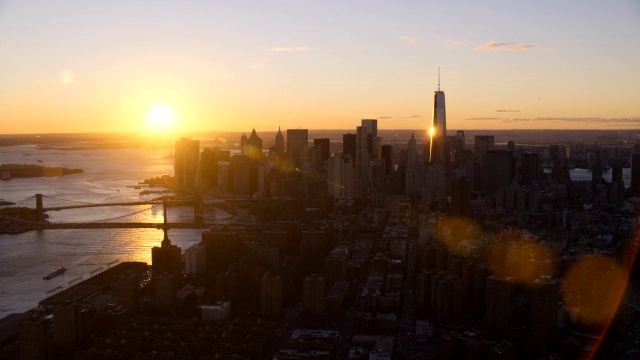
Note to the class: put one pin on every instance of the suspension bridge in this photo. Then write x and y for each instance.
(184, 214)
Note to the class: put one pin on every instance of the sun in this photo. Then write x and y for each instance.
(160, 118)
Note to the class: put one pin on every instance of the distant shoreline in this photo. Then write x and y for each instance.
(230, 139)
(17, 171)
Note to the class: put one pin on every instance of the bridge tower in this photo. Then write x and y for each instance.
(39, 208)
(198, 207)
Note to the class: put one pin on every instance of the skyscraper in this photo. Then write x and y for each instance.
(166, 258)
(252, 146)
(372, 126)
(497, 171)
(279, 147)
(373, 141)
(481, 145)
(543, 300)
(67, 328)
(362, 160)
(297, 145)
(635, 175)
(438, 128)
(313, 294)
(340, 176)
(33, 338)
(387, 156)
(271, 289)
(500, 305)
(186, 159)
(349, 145)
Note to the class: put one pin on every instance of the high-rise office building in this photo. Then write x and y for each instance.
(500, 305)
(33, 338)
(166, 289)
(372, 126)
(482, 144)
(349, 145)
(387, 156)
(209, 158)
(127, 290)
(252, 146)
(413, 169)
(279, 147)
(438, 130)
(461, 197)
(297, 145)
(324, 148)
(554, 153)
(314, 294)
(271, 290)
(530, 168)
(166, 258)
(373, 141)
(635, 174)
(186, 159)
(67, 328)
(335, 265)
(340, 176)
(543, 300)
(195, 259)
(223, 248)
(245, 174)
(362, 160)
(497, 170)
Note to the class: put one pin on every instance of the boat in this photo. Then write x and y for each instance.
(55, 273)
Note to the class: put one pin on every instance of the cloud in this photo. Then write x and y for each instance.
(290, 49)
(627, 120)
(410, 116)
(486, 118)
(408, 39)
(506, 46)
(384, 117)
(453, 43)
(507, 110)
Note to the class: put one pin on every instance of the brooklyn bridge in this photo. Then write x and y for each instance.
(32, 214)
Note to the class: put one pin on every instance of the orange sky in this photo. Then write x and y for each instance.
(94, 67)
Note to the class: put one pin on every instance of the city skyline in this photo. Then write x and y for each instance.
(145, 67)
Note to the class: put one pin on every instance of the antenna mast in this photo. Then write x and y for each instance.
(438, 78)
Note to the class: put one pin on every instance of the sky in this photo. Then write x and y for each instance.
(192, 66)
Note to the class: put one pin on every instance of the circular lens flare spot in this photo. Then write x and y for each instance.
(460, 235)
(514, 254)
(593, 288)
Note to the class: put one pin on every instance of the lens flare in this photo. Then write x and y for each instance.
(460, 235)
(514, 254)
(593, 288)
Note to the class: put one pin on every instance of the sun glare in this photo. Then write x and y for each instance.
(160, 118)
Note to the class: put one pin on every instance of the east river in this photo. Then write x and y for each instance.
(108, 176)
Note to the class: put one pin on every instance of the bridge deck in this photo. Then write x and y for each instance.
(133, 203)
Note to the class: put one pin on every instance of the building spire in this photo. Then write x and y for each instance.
(438, 78)
(165, 227)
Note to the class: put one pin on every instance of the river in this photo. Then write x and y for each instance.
(108, 174)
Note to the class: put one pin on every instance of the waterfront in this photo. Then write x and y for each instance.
(25, 258)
